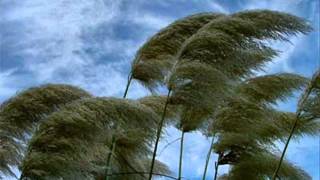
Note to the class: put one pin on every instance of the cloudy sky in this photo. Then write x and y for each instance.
(92, 43)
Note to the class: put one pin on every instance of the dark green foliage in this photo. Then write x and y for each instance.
(20, 115)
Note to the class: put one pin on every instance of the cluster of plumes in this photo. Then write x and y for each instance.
(246, 128)
(71, 134)
(207, 62)
(201, 57)
(21, 115)
(261, 165)
(74, 141)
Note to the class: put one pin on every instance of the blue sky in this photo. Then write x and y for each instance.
(92, 43)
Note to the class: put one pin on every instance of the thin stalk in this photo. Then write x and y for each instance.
(128, 85)
(298, 113)
(207, 160)
(275, 175)
(216, 167)
(113, 144)
(177, 56)
(112, 148)
(167, 145)
(181, 154)
(159, 130)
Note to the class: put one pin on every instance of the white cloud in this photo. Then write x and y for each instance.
(51, 42)
(218, 7)
(282, 62)
(5, 80)
(280, 5)
(150, 21)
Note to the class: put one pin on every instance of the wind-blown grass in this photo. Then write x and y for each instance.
(73, 142)
(21, 115)
(230, 44)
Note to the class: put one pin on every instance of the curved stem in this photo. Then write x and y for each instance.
(169, 144)
(298, 113)
(112, 148)
(113, 144)
(181, 154)
(159, 134)
(207, 160)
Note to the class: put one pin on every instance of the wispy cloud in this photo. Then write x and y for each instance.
(218, 7)
(5, 81)
(53, 48)
(91, 44)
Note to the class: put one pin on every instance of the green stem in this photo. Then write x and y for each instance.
(216, 166)
(298, 113)
(128, 85)
(158, 135)
(285, 149)
(181, 154)
(112, 148)
(207, 160)
(113, 144)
